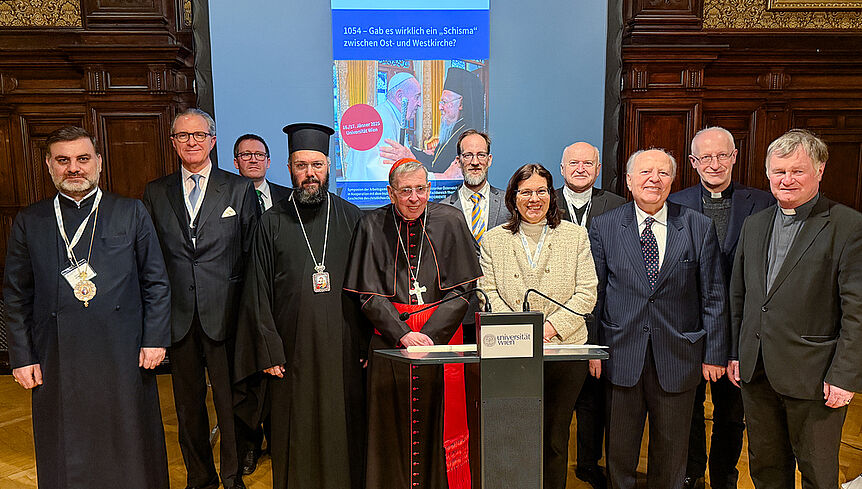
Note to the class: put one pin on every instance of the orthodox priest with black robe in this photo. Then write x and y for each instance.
(299, 327)
(405, 256)
(87, 310)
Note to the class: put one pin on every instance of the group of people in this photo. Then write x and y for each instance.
(275, 297)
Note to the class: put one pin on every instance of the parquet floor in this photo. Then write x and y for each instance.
(18, 471)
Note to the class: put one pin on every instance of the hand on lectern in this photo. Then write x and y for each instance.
(415, 338)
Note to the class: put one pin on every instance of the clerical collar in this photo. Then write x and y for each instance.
(802, 212)
(81, 202)
(409, 221)
(577, 199)
(725, 194)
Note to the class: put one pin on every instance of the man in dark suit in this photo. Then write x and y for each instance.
(251, 158)
(727, 203)
(662, 312)
(796, 307)
(580, 203)
(204, 217)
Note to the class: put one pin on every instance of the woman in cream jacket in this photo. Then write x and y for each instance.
(535, 249)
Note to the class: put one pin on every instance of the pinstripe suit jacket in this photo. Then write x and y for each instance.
(684, 316)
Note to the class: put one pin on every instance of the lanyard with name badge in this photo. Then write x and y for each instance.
(79, 273)
(533, 260)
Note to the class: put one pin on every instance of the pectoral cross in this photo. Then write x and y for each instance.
(416, 290)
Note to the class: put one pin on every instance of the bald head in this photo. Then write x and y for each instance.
(580, 166)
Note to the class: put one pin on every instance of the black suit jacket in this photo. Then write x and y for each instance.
(684, 316)
(602, 201)
(744, 202)
(808, 327)
(209, 274)
(277, 192)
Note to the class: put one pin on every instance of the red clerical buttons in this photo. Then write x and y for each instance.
(412, 245)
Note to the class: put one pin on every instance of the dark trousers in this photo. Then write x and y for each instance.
(627, 409)
(784, 432)
(590, 410)
(563, 381)
(192, 358)
(726, 440)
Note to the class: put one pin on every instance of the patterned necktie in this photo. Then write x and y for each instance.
(260, 200)
(477, 220)
(650, 250)
(195, 194)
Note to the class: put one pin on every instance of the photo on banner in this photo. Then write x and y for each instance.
(407, 83)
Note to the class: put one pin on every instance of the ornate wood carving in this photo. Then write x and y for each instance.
(40, 13)
(677, 81)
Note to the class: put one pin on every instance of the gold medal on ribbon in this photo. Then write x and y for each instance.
(85, 290)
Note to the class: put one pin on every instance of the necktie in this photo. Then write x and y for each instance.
(260, 200)
(650, 250)
(477, 220)
(195, 194)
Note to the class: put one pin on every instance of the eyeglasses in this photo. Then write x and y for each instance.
(586, 163)
(468, 157)
(528, 193)
(708, 159)
(247, 156)
(406, 192)
(452, 101)
(199, 136)
(302, 165)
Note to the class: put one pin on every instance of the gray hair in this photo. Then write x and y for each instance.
(719, 129)
(406, 167)
(631, 161)
(211, 128)
(788, 142)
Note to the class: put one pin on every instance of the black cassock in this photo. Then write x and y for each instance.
(317, 410)
(378, 273)
(96, 418)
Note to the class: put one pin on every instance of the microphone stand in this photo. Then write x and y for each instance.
(405, 315)
(587, 316)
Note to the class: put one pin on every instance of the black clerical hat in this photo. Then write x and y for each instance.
(308, 136)
(469, 86)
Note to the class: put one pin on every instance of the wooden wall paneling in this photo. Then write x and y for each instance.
(842, 132)
(9, 195)
(667, 124)
(129, 13)
(133, 151)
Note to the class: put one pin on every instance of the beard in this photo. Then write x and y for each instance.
(312, 197)
(471, 179)
(76, 187)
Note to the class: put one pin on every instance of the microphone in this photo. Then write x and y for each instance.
(405, 315)
(587, 317)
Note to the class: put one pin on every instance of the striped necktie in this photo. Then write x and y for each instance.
(195, 194)
(477, 220)
(260, 200)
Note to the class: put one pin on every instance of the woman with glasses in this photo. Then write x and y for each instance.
(538, 250)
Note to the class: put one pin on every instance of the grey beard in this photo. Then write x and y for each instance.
(470, 179)
(315, 197)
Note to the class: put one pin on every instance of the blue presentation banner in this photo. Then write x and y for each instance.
(410, 34)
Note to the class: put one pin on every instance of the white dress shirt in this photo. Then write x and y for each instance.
(659, 228)
(189, 184)
(265, 195)
(467, 205)
(578, 199)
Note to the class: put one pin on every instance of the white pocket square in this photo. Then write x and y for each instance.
(228, 212)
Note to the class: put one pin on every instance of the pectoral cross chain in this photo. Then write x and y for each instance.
(417, 290)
